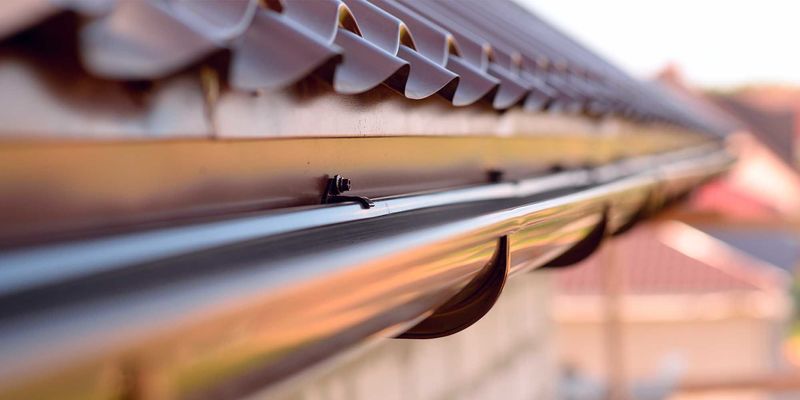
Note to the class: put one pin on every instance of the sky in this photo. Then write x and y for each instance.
(715, 43)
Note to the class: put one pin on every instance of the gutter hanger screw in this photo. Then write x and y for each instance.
(338, 185)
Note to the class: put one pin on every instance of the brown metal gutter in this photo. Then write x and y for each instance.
(227, 308)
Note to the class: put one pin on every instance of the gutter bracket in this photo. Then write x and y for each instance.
(584, 248)
(338, 185)
(471, 303)
(642, 213)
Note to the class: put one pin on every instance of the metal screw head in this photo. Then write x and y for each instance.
(342, 185)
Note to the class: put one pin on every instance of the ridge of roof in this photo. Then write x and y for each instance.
(774, 246)
(723, 256)
(679, 259)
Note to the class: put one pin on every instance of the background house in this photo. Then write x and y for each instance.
(764, 185)
(704, 294)
(690, 308)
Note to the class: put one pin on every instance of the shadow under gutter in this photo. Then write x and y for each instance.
(230, 308)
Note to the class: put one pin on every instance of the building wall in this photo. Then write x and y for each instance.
(713, 348)
(509, 354)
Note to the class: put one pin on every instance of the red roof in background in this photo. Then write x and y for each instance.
(771, 114)
(721, 198)
(775, 128)
(773, 97)
(651, 266)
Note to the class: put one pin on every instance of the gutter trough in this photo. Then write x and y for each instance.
(232, 308)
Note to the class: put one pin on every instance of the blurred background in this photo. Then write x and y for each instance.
(698, 304)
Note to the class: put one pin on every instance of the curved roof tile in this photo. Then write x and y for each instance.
(466, 51)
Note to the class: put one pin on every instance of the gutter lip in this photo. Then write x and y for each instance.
(51, 264)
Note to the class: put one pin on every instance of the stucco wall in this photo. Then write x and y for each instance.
(704, 336)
